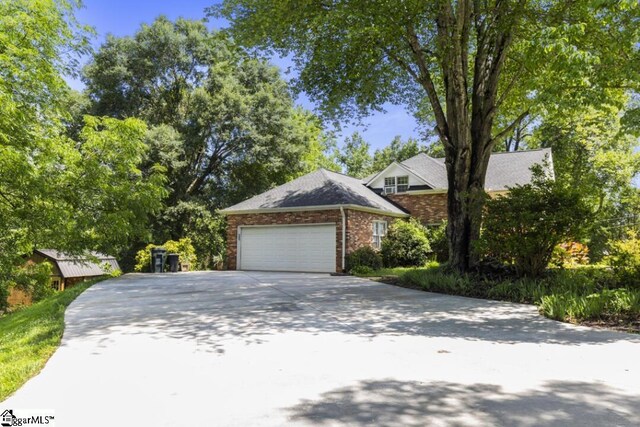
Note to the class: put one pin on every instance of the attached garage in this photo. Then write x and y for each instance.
(308, 225)
(309, 248)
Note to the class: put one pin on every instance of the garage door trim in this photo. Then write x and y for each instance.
(239, 234)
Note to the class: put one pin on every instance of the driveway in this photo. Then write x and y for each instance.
(275, 349)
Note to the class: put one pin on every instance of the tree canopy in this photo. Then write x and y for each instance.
(480, 68)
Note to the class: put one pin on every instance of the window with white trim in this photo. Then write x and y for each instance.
(396, 184)
(402, 183)
(379, 231)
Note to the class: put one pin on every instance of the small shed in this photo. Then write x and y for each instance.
(71, 269)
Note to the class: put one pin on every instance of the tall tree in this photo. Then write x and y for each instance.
(71, 193)
(223, 123)
(468, 58)
(355, 156)
(397, 151)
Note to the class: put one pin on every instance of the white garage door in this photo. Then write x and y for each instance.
(288, 248)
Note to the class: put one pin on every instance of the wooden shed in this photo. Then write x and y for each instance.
(71, 269)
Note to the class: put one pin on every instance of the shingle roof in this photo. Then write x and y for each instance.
(79, 265)
(319, 188)
(429, 169)
(504, 170)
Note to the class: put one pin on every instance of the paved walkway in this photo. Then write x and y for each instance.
(276, 349)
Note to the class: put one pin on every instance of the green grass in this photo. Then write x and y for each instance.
(29, 336)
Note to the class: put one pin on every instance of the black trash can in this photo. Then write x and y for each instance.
(158, 258)
(173, 260)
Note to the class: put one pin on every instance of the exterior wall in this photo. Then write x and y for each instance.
(279, 218)
(396, 170)
(426, 208)
(360, 228)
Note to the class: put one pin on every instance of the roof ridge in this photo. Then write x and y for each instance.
(506, 152)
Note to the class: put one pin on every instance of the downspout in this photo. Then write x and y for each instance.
(344, 235)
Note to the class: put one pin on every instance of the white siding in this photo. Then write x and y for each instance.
(396, 170)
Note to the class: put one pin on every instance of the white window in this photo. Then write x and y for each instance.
(396, 184)
(390, 184)
(379, 231)
(402, 183)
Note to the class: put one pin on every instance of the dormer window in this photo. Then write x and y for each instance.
(396, 184)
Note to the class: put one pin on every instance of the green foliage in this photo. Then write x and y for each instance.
(182, 247)
(355, 157)
(438, 241)
(574, 307)
(216, 116)
(29, 336)
(570, 254)
(624, 258)
(361, 270)
(396, 151)
(405, 244)
(35, 280)
(363, 257)
(523, 227)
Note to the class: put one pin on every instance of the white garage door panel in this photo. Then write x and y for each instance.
(289, 248)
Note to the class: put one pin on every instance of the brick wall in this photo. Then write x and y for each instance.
(360, 228)
(305, 217)
(427, 208)
(359, 231)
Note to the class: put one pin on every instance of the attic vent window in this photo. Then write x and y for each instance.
(396, 184)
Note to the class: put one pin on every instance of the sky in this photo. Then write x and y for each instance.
(124, 17)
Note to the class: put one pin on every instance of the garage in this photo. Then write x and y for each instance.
(310, 248)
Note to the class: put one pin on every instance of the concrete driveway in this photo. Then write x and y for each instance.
(275, 349)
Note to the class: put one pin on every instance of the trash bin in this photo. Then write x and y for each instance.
(173, 260)
(158, 258)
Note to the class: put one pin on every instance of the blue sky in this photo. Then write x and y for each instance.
(122, 18)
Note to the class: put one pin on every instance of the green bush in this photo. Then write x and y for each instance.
(34, 279)
(182, 247)
(624, 259)
(523, 227)
(437, 236)
(364, 257)
(405, 245)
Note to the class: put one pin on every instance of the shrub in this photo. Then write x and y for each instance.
(570, 254)
(364, 257)
(522, 227)
(34, 279)
(405, 245)
(624, 258)
(437, 236)
(182, 247)
(361, 270)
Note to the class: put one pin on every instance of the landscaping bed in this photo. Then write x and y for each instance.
(586, 296)
(29, 336)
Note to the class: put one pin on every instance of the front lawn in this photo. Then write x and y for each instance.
(582, 295)
(29, 336)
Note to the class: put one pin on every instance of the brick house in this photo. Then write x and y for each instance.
(313, 222)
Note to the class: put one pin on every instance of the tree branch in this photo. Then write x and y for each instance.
(506, 131)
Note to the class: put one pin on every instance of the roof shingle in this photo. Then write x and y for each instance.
(319, 188)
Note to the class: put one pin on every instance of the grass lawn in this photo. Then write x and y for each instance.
(29, 336)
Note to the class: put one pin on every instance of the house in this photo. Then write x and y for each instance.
(67, 270)
(313, 222)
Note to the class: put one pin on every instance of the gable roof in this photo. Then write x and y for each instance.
(79, 265)
(504, 170)
(368, 180)
(321, 188)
